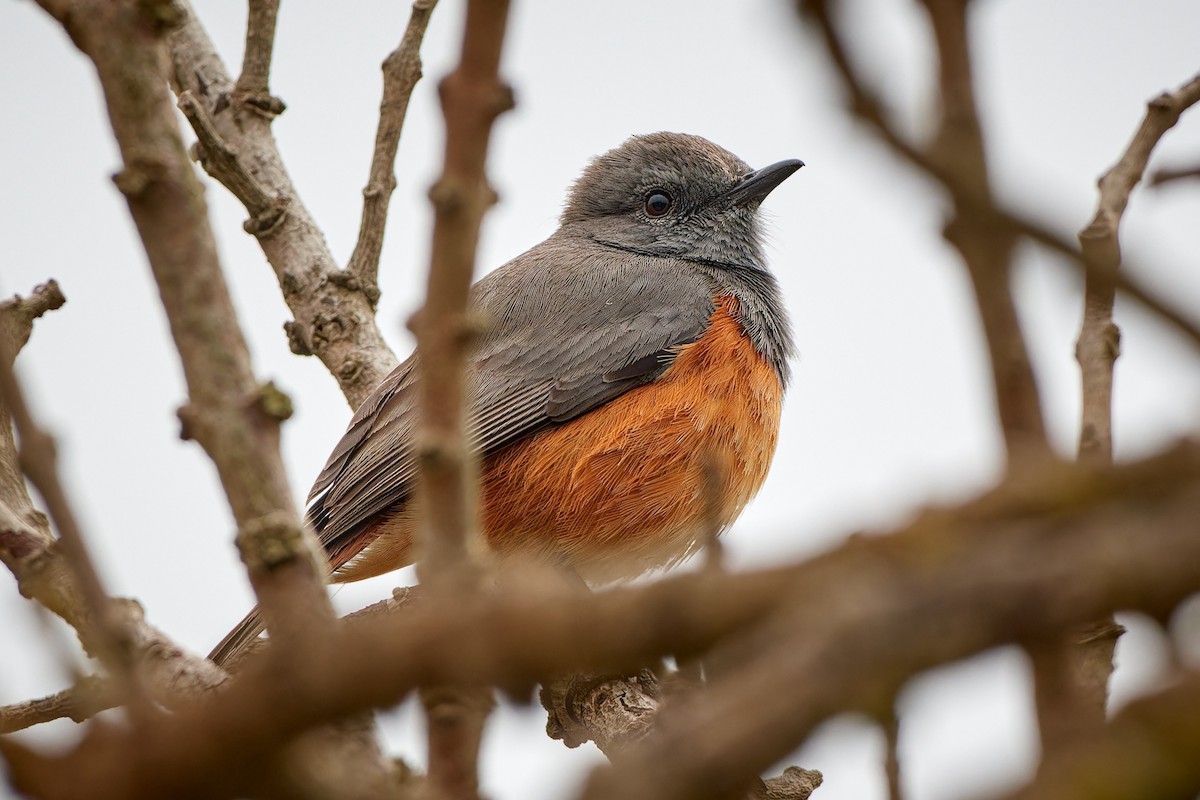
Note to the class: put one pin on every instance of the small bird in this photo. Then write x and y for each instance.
(644, 340)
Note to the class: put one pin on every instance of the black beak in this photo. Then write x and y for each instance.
(758, 184)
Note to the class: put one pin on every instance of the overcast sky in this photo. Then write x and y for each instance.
(890, 408)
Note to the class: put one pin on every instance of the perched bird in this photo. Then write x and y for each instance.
(640, 342)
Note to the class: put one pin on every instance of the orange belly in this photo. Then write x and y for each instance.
(621, 490)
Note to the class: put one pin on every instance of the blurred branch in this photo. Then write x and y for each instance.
(472, 98)
(864, 104)
(401, 71)
(840, 632)
(1165, 176)
(986, 248)
(334, 311)
(1150, 749)
(954, 583)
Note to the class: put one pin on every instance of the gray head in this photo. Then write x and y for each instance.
(671, 194)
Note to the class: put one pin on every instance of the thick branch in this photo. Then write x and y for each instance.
(855, 624)
(401, 71)
(334, 314)
(234, 419)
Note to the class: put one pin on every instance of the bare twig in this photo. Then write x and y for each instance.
(253, 88)
(1161, 177)
(856, 624)
(77, 703)
(401, 71)
(334, 315)
(1099, 338)
(1072, 675)
(219, 158)
(28, 549)
(38, 459)
(891, 765)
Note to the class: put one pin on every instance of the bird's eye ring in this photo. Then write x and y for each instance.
(658, 203)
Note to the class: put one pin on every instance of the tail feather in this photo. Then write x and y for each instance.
(237, 640)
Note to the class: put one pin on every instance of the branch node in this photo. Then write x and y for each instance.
(138, 175)
(270, 542)
(274, 402)
(299, 337)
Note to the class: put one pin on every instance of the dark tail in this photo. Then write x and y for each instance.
(238, 639)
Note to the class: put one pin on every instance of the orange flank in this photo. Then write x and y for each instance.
(620, 489)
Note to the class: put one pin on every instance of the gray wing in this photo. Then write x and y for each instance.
(566, 334)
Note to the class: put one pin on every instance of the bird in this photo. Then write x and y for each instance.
(643, 341)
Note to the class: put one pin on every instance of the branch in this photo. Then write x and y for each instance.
(37, 457)
(166, 672)
(865, 105)
(1164, 176)
(252, 89)
(1150, 749)
(472, 98)
(840, 632)
(334, 316)
(1099, 339)
(855, 638)
(77, 703)
(401, 71)
(985, 247)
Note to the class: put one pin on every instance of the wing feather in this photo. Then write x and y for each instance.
(585, 331)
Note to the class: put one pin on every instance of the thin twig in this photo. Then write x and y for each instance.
(891, 764)
(77, 703)
(220, 160)
(472, 97)
(401, 71)
(1164, 176)
(334, 317)
(38, 457)
(1099, 339)
(253, 87)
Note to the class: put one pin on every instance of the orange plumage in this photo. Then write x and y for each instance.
(604, 493)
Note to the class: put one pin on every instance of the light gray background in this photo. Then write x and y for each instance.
(890, 410)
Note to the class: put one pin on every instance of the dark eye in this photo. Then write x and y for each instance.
(658, 203)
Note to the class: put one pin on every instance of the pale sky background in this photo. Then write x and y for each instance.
(890, 409)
